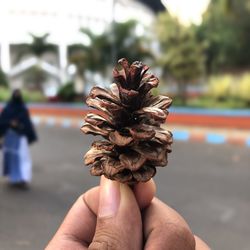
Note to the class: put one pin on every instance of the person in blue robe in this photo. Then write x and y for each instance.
(18, 133)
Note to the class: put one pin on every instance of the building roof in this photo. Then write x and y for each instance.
(155, 5)
(62, 19)
(31, 62)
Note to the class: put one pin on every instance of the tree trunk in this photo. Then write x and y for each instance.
(79, 84)
(182, 92)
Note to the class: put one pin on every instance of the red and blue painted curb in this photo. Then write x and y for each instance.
(57, 121)
(184, 135)
(234, 124)
(211, 137)
(213, 118)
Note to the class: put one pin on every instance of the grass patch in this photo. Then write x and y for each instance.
(28, 96)
(34, 96)
(4, 94)
(208, 102)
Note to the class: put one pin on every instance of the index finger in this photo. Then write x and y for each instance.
(78, 226)
(164, 228)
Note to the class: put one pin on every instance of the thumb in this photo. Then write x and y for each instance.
(119, 224)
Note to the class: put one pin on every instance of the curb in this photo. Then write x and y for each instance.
(184, 135)
(213, 118)
(63, 122)
(211, 137)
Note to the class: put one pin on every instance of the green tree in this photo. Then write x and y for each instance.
(93, 57)
(225, 28)
(182, 55)
(36, 76)
(3, 79)
(122, 36)
(38, 47)
(67, 92)
(97, 56)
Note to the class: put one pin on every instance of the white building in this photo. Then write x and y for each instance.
(62, 20)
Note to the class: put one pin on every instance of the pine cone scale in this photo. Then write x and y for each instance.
(145, 174)
(96, 169)
(132, 161)
(141, 133)
(111, 167)
(104, 94)
(160, 102)
(95, 130)
(120, 140)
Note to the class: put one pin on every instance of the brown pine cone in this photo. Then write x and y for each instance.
(129, 119)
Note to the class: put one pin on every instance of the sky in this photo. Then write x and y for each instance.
(188, 11)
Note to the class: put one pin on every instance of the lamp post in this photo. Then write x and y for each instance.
(113, 48)
(5, 56)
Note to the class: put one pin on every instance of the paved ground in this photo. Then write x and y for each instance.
(208, 184)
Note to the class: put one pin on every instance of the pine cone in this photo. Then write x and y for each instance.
(129, 120)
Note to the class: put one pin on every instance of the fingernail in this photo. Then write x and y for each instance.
(109, 198)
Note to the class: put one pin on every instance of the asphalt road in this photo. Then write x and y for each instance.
(209, 185)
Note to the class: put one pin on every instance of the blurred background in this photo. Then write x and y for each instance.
(56, 51)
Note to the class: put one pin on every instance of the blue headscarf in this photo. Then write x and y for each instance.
(16, 111)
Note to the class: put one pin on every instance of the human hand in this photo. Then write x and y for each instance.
(113, 216)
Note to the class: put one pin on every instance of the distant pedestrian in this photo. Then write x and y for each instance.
(18, 132)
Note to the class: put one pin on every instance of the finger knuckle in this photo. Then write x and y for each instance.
(104, 243)
(106, 239)
(178, 235)
(181, 235)
(98, 245)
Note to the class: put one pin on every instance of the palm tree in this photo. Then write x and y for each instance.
(93, 57)
(38, 47)
(97, 56)
(127, 43)
(77, 54)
